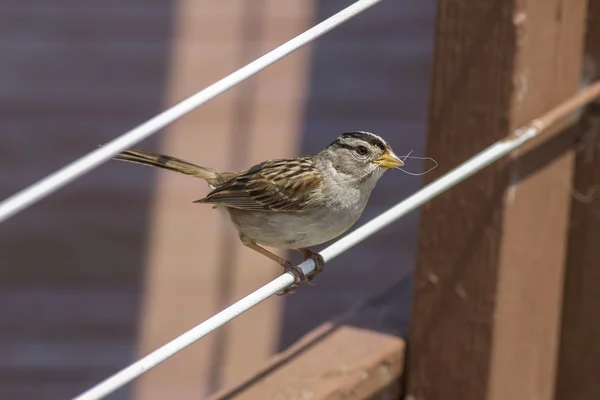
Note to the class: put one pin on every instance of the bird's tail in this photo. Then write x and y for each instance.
(168, 163)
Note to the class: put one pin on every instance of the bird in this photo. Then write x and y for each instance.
(292, 203)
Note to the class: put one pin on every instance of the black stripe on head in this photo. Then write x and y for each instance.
(338, 143)
(367, 137)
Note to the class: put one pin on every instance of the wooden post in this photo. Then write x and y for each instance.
(195, 264)
(490, 266)
(580, 345)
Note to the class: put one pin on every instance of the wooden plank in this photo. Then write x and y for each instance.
(359, 355)
(196, 264)
(491, 252)
(580, 348)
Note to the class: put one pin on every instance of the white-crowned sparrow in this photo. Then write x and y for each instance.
(292, 203)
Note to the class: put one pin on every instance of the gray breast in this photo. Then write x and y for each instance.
(295, 230)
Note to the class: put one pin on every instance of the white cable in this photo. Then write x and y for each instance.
(58, 179)
(443, 183)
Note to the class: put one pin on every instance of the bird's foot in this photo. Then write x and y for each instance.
(317, 258)
(299, 278)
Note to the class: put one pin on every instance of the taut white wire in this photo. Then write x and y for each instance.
(58, 179)
(445, 182)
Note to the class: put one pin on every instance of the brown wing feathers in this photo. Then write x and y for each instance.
(279, 185)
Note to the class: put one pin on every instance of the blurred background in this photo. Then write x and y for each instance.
(121, 261)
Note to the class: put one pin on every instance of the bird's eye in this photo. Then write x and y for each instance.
(362, 150)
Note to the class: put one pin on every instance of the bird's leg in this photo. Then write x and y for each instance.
(299, 276)
(317, 258)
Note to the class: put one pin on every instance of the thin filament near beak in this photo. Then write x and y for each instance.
(417, 158)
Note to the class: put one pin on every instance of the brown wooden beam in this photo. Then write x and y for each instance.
(195, 265)
(357, 356)
(579, 359)
(490, 266)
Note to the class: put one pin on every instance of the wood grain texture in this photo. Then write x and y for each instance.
(491, 251)
(580, 349)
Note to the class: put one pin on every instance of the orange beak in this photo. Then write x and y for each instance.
(389, 160)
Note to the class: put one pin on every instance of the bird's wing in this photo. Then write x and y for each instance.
(276, 185)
